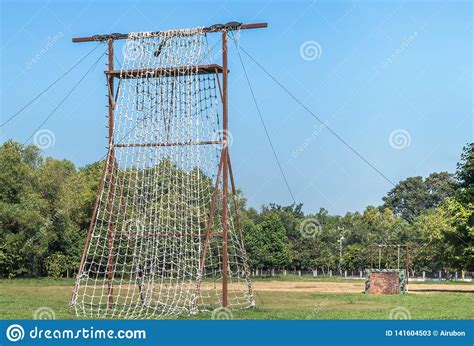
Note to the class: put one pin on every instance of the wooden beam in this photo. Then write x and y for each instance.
(213, 28)
(171, 144)
(165, 71)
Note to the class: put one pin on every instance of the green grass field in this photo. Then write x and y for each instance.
(20, 298)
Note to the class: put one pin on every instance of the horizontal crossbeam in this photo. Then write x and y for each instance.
(213, 28)
(144, 234)
(171, 144)
(165, 71)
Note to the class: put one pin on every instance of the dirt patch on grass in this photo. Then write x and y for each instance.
(291, 286)
(350, 287)
(309, 287)
(432, 288)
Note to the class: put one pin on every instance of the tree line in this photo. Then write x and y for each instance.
(46, 205)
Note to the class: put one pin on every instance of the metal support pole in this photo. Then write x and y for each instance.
(110, 45)
(89, 236)
(110, 169)
(240, 227)
(208, 232)
(225, 170)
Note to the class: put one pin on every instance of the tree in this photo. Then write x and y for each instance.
(459, 238)
(431, 254)
(16, 174)
(290, 215)
(448, 233)
(46, 206)
(56, 265)
(355, 257)
(52, 175)
(413, 196)
(23, 225)
(440, 186)
(408, 198)
(267, 243)
(465, 175)
(75, 207)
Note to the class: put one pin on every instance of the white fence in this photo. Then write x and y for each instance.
(360, 274)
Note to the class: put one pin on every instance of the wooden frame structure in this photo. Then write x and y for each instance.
(224, 166)
(399, 247)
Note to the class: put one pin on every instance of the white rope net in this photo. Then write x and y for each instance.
(144, 255)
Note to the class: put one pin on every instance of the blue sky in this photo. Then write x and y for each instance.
(383, 71)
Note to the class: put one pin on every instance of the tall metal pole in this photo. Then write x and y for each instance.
(225, 169)
(208, 232)
(110, 169)
(105, 173)
(110, 45)
(239, 225)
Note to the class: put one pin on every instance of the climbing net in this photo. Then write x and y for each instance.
(145, 256)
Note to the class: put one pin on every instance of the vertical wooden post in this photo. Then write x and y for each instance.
(407, 250)
(398, 257)
(225, 170)
(240, 227)
(110, 169)
(208, 234)
(371, 257)
(110, 44)
(380, 255)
